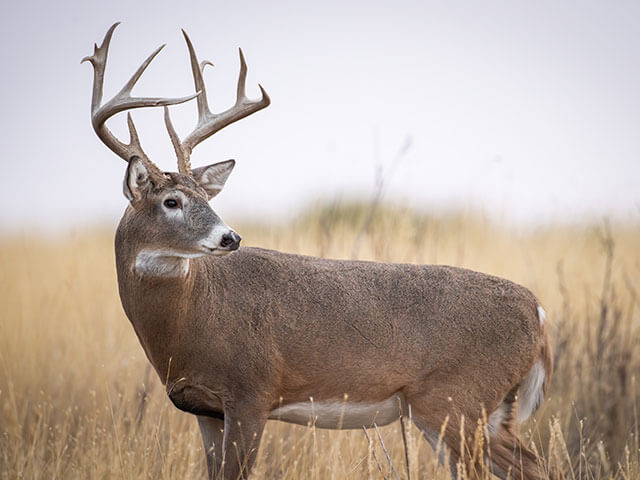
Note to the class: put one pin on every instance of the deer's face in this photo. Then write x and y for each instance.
(172, 215)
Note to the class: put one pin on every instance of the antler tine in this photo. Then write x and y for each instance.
(184, 165)
(121, 101)
(99, 60)
(196, 69)
(241, 92)
(209, 123)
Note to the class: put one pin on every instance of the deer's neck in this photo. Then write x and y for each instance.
(155, 288)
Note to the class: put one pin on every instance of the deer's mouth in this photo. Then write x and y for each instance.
(218, 251)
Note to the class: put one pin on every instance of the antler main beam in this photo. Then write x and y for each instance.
(209, 123)
(121, 101)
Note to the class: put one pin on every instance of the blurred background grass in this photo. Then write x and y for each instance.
(78, 399)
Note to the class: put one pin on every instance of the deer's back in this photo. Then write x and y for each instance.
(438, 316)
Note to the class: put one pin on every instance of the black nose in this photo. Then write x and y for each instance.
(230, 241)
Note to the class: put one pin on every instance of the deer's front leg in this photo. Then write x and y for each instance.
(211, 429)
(242, 432)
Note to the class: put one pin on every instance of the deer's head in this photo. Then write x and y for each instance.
(170, 212)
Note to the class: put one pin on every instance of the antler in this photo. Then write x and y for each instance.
(209, 123)
(122, 101)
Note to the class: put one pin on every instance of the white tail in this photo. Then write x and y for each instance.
(253, 335)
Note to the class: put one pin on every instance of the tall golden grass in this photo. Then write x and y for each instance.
(78, 399)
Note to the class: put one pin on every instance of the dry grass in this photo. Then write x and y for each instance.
(78, 400)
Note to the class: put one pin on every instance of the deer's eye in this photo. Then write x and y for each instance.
(171, 203)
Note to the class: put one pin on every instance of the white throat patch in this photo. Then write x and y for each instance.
(163, 263)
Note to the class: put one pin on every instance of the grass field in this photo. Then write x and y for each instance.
(78, 399)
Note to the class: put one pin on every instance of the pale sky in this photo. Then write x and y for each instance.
(528, 110)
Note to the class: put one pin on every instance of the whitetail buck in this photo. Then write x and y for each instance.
(240, 338)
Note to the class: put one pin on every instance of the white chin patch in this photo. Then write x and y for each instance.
(220, 253)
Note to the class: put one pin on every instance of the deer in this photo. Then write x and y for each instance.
(242, 335)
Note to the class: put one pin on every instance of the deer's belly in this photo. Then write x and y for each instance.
(340, 415)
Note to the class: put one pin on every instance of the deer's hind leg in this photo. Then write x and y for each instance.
(450, 433)
(509, 458)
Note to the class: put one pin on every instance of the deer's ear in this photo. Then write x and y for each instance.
(213, 177)
(136, 180)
